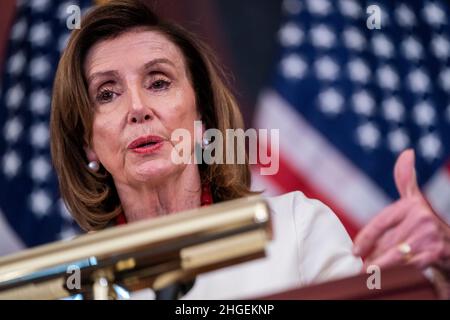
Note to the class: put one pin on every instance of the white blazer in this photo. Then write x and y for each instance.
(310, 245)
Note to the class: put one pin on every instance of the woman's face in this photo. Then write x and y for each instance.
(140, 92)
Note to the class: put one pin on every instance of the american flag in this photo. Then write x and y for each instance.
(31, 211)
(348, 99)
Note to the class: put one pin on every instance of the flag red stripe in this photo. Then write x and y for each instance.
(288, 179)
(7, 9)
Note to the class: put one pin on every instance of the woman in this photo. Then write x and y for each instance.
(126, 81)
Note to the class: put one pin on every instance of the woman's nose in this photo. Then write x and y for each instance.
(138, 116)
(139, 110)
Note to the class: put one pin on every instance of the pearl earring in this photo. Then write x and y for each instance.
(93, 166)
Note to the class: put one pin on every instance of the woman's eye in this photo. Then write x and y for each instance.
(105, 96)
(160, 84)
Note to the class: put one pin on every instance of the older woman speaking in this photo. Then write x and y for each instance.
(126, 81)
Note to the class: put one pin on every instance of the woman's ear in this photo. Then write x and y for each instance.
(93, 163)
(90, 154)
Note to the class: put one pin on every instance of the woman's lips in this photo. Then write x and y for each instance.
(146, 144)
(150, 148)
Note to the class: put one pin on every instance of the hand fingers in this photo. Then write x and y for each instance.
(435, 252)
(426, 248)
(387, 218)
(383, 244)
(417, 218)
(405, 174)
(444, 261)
(390, 258)
(428, 257)
(444, 264)
(394, 256)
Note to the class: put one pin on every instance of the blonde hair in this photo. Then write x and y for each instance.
(91, 197)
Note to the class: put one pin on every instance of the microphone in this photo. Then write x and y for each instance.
(164, 254)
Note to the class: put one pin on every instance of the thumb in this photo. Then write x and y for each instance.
(405, 174)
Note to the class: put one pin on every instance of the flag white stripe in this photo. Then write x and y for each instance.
(9, 241)
(438, 193)
(262, 183)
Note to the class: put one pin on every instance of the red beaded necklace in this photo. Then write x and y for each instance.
(205, 200)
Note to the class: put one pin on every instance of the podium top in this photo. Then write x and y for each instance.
(397, 283)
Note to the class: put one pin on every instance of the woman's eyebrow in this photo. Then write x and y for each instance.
(115, 73)
(102, 74)
(153, 62)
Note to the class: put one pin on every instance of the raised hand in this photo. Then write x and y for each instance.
(407, 231)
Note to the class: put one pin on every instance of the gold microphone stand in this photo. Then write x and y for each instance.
(155, 253)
